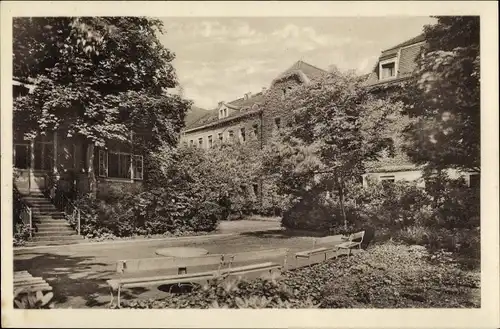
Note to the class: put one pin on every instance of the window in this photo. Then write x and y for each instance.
(388, 70)
(225, 113)
(200, 142)
(255, 189)
(255, 129)
(191, 143)
(138, 167)
(474, 180)
(387, 179)
(21, 156)
(115, 164)
(283, 93)
(44, 155)
(277, 123)
(231, 134)
(210, 141)
(221, 137)
(119, 165)
(242, 134)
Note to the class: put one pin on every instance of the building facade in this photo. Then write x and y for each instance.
(395, 65)
(70, 163)
(249, 119)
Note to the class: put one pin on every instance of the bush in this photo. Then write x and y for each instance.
(396, 276)
(21, 234)
(232, 293)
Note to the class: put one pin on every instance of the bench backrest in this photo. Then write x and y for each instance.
(162, 263)
(331, 239)
(357, 236)
(256, 255)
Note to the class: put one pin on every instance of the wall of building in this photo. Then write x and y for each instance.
(412, 176)
(246, 122)
(273, 107)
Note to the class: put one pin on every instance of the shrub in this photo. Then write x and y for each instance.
(32, 300)
(395, 276)
(21, 234)
(232, 293)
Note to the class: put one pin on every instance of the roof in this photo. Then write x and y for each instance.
(417, 39)
(303, 69)
(245, 106)
(408, 52)
(194, 114)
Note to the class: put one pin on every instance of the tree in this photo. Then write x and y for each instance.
(97, 77)
(444, 97)
(339, 126)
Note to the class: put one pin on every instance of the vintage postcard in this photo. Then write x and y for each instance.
(250, 164)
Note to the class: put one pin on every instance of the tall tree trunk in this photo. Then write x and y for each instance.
(341, 196)
(91, 169)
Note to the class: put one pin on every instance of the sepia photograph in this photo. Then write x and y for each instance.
(233, 162)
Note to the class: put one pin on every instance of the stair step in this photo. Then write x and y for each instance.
(51, 224)
(53, 243)
(50, 220)
(56, 238)
(47, 213)
(54, 228)
(66, 232)
(44, 208)
(38, 200)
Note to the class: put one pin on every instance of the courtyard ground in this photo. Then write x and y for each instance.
(78, 273)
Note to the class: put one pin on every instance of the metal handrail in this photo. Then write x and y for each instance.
(62, 201)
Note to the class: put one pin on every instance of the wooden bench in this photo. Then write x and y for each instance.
(354, 240)
(133, 273)
(24, 282)
(327, 251)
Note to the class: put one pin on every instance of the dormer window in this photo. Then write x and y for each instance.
(387, 69)
(222, 112)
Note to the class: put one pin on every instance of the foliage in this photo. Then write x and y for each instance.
(455, 205)
(336, 130)
(32, 300)
(21, 234)
(98, 77)
(396, 276)
(444, 96)
(232, 293)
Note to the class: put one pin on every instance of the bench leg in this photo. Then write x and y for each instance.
(119, 290)
(112, 297)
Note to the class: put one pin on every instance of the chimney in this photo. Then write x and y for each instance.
(248, 95)
(264, 89)
(220, 103)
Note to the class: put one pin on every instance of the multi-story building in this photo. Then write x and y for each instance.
(395, 65)
(254, 118)
(246, 118)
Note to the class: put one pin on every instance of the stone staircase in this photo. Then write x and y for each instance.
(50, 226)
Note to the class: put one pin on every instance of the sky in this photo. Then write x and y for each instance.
(221, 59)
